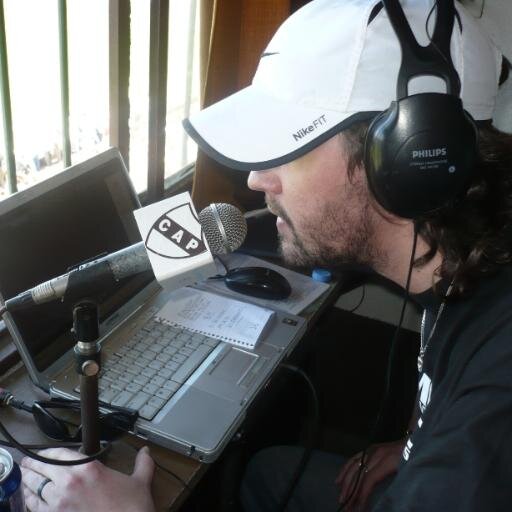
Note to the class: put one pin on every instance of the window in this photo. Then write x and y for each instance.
(41, 84)
(182, 91)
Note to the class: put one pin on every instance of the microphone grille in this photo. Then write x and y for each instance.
(224, 227)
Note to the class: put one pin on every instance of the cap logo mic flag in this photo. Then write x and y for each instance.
(175, 242)
(177, 234)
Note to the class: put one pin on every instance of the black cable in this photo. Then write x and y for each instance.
(169, 471)
(360, 301)
(482, 10)
(362, 465)
(174, 475)
(387, 389)
(77, 445)
(397, 332)
(56, 462)
(446, 58)
(310, 442)
(3, 309)
(42, 446)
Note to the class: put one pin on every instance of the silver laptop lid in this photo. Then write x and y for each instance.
(84, 211)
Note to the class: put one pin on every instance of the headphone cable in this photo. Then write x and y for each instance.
(386, 396)
(308, 448)
(434, 45)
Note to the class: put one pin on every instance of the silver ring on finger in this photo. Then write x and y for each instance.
(41, 487)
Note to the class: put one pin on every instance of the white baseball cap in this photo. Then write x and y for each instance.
(330, 64)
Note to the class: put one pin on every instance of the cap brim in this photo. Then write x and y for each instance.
(251, 130)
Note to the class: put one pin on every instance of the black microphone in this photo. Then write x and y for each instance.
(224, 227)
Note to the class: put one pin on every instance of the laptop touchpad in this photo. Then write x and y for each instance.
(229, 375)
(233, 365)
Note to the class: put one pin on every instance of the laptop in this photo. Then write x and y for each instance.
(192, 392)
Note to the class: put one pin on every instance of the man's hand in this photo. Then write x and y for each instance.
(87, 487)
(381, 461)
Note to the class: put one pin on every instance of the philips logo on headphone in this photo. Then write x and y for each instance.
(429, 153)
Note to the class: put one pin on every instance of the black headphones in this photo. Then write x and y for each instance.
(421, 153)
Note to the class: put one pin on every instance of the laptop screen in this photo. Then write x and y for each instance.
(55, 228)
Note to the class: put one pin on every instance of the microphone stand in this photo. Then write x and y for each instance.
(87, 364)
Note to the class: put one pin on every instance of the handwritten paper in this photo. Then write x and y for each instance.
(216, 316)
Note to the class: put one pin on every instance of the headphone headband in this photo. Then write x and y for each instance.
(418, 60)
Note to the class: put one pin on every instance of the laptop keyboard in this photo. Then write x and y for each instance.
(151, 366)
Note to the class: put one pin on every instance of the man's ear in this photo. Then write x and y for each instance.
(376, 207)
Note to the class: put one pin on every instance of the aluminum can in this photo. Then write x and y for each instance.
(11, 493)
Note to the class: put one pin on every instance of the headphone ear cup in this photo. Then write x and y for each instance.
(420, 154)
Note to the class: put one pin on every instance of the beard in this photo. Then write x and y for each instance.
(333, 235)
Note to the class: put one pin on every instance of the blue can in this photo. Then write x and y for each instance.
(11, 493)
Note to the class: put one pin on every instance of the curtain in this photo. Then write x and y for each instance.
(234, 33)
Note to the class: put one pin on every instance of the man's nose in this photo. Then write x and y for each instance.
(264, 181)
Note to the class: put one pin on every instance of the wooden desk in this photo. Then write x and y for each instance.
(168, 492)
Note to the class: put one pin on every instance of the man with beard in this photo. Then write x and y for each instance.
(310, 131)
(302, 128)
